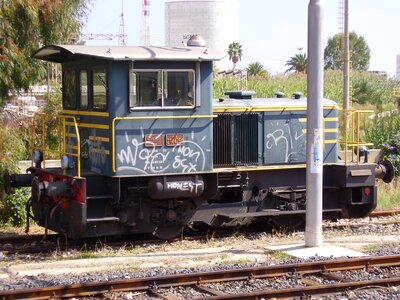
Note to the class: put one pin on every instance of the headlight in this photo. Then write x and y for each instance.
(37, 157)
(64, 162)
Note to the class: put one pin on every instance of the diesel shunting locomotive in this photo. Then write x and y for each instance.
(145, 148)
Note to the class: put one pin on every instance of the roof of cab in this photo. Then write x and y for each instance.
(61, 53)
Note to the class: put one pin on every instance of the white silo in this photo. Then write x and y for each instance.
(215, 20)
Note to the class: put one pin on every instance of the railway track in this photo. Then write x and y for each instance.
(205, 282)
(56, 242)
(38, 243)
(382, 213)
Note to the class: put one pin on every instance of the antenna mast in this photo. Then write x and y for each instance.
(341, 16)
(146, 34)
(122, 35)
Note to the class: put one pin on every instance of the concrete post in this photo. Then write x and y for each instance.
(315, 134)
(346, 58)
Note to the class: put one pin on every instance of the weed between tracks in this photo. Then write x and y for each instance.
(375, 247)
(389, 195)
(280, 256)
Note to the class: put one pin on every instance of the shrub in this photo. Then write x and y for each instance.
(12, 149)
(384, 133)
(12, 209)
(381, 130)
(14, 137)
(391, 151)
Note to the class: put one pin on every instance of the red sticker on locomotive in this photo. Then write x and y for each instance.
(174, 139)
(151, 140)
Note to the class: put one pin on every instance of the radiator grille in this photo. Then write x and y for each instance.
(245, 139)
(235, 139)
(223, 140)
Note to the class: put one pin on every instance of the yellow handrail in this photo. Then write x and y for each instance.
(352, 118)
(147, 118)
(61, 120)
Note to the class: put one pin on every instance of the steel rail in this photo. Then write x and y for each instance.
(147, 283)
(23, 239)
(387, 213)
(59, 242)
(309, 290)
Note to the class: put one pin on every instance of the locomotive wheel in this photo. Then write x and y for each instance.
(168, 233)
(288, 222)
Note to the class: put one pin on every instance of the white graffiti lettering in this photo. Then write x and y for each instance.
(183, 186)
(185, 157)
(97, 153)
(285, 138)
(151, 159)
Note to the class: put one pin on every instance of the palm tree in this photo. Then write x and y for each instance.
(235, 53)
(256, 69)
(297, 63)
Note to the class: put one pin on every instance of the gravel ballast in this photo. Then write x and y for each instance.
(212, 256)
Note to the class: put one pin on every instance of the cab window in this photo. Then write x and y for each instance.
(69, 88)
(178, 88)
(99, 89)
(83, 81)
(161, 88)
(145, 87)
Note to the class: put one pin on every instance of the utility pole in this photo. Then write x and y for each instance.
(346, 58)
(315, 132)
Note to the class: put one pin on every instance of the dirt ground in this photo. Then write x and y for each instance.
(186, 254)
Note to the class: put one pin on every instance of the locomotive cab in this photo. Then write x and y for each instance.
(133, 105)
(131, 116)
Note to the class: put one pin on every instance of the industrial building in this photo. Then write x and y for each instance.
(215, 20)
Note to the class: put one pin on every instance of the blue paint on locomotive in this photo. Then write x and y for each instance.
(282, 127)
(122, 133)
(167, 140)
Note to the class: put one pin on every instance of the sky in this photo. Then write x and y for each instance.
(269, 31)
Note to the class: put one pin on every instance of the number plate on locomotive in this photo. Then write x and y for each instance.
(154, 140)
(174, 139)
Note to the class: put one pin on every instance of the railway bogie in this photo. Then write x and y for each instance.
(145, 149)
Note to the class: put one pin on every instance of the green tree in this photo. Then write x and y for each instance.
(360, 53)
(25, 25)
(297, 63)
(235, 53)
(373, 89)
(256, 69)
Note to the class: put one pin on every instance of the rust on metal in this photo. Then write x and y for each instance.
(144, 284)
(388, 213)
